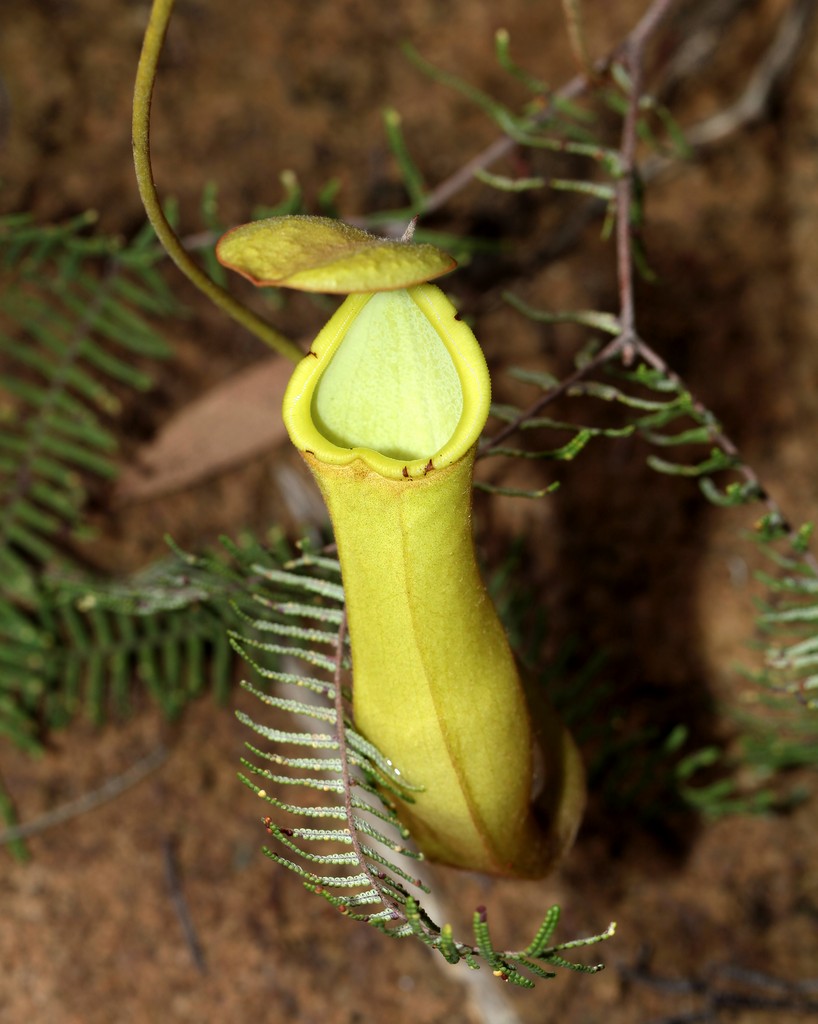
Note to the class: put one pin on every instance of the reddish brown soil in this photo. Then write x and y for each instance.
(634, 565)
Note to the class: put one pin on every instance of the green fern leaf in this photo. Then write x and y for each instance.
(350, 787)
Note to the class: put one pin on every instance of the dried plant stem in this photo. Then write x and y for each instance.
(790, 36)
(632, 56)
(603, 356)
(180, 906)
(625, 344)
(88, 801)
(575, 87)
(576, 34)
(624, 206)
(628, 344)
(647, 25)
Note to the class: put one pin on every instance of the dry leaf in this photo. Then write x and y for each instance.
(227, 426)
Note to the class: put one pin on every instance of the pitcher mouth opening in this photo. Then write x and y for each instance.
(395, 380)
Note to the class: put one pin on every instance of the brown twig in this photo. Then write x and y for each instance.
(631, 53)
(762, 82)
(628, 344)
(632, 57)
(647, 25)
(464, 175)
(624, 205)
(754, 100)
(576, 35)
(716, 993)
(180, 905)
(603, 356)
(747, 109)
(88, 801)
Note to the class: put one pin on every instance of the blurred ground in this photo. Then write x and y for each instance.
(630, 563)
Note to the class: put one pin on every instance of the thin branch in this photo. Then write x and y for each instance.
(647, 25)
(624, 206)
(727, 445)
(180, 906)
(632, 55)
(628, 344)
(716, 129)
(603, 356)
(767, 75)
(631, 52)
(576, 34)
(88, 801)
(574, 88)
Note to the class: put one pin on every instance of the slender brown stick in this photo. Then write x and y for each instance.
(647, 25)
(603, 356)
(88, 801)
(624, 344)
(628, 344)
(576, 34)
(180, 905)
(632, 57)
(624, 205)
(575, 87)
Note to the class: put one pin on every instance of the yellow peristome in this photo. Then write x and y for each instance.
(462, 382)
(389, 429)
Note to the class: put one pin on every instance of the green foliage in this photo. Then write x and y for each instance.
(163, 629)
(551, 126)
(550, 121)
(412, 178)
(788, 618)
(654, 767)
(73, 331)
(75, 328)
(75, 336)
(344, 820)
(83, 646)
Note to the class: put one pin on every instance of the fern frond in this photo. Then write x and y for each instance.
(73, 332)
(64, 661)
(72, 327)
(74, 646)
(351, 786)
(788, 617)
